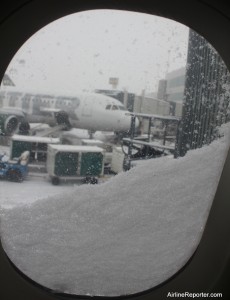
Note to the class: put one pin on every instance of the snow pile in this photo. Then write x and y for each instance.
(120, 237)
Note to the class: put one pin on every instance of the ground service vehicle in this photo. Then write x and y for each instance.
(14, 170)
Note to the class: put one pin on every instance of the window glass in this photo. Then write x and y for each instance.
(110, 204)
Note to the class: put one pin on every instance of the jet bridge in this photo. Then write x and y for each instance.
(158, 141)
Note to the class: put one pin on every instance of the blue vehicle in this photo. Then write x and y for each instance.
(14, 170)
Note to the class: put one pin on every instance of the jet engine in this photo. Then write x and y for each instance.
(62, 118)
(8, 124)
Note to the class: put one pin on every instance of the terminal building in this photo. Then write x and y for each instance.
(175, 90)
(171, 89)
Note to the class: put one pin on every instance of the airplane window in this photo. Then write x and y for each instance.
(111, 204)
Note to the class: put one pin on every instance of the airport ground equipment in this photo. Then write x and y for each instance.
(117, 160)
(37, 146)
(71, 162)
(108, 150)
(160, 139)
(48, 131)
(15, 170)
(92, 142)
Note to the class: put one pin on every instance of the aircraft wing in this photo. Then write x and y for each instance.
(13, 111)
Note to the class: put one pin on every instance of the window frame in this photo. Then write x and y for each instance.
(200, 273)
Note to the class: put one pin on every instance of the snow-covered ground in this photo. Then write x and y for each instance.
(32, 189)
(120, 237)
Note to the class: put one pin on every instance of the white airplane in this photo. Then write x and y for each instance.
(91, 111)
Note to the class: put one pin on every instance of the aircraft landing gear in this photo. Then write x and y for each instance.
(91, 133)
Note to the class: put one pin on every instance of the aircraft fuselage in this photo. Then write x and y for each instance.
(92, 111)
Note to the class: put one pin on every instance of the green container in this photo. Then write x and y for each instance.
(37, 146)
(91, 163)
(66, 164)
(18, 147)
(75, 161)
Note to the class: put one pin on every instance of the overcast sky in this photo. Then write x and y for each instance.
(83, 50)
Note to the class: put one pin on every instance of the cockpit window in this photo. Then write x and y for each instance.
(114, 107)
(108, 107)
